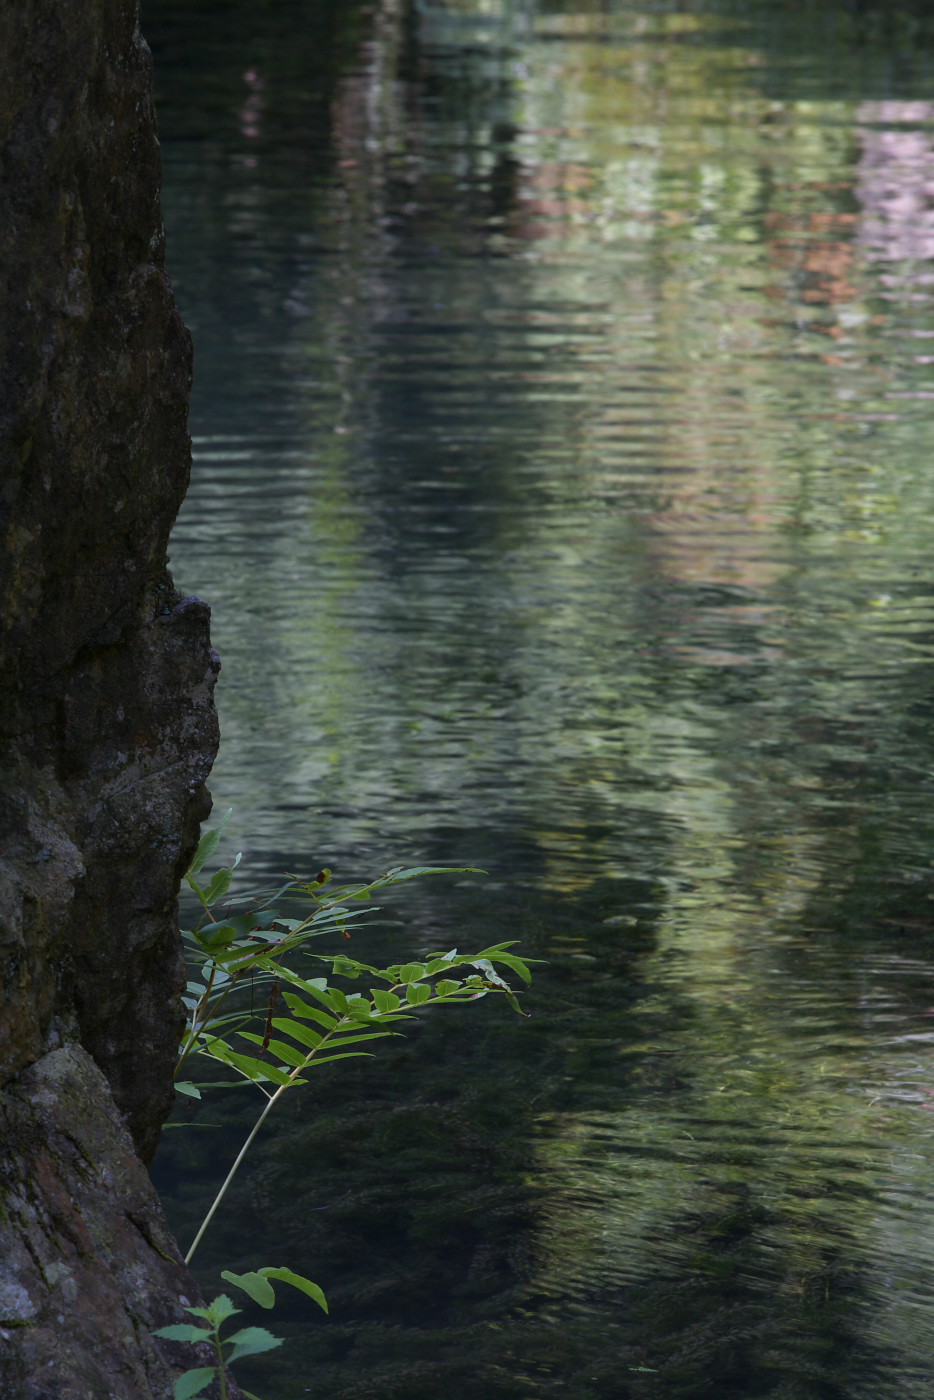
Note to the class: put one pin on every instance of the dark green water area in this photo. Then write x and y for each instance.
(564, 492)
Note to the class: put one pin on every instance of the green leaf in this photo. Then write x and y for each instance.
(220, 884)
(350, 1055)
(385, 1002)
(518, 965)
(318, 988)
(298, 1032)
(338, 1001)
(217, 1311)
(340, 892)
(253, 1069)
(264, 919)
(250, 1341)
(287, 1053)
(214, 936)
(184, 1332)
(436, 965)
(208, 1028)
(308, 1013)
(495, 948)
(209, 843)
(399, 873)
(359, 1008)
(217, 1084)
(298, 1281)
(184, 1086)
(411, 972)
(490, 973)
(191, 1383)
(446, 987)
(255, 1285)
(258, 1069)
(513, 1002)
(348, 967)
(356, 1037)
(498, 954)
(417, 992)
(336, 916)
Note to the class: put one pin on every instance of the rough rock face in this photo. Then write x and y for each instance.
(89, 1268)
(107, 726)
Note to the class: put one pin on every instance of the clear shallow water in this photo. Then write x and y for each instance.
(563, 484)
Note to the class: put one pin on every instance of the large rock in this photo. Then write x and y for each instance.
(107, 725)
(89, 1269)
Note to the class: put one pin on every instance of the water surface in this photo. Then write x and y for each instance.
(563, 491)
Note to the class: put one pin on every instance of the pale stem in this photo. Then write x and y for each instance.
(233, 1170)
(273, 1098)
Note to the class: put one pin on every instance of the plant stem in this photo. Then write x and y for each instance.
(221, 1368)
(273, 1098)
(194, 1024)
(233, 1170)
(198, 1028)
(271, 1101)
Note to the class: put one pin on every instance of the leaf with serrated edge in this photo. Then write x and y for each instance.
(183, 1332)
(218, 1309)
(250, 1341)
(191, 1383)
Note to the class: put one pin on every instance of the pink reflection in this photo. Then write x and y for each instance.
(896, 180)
(250, 114)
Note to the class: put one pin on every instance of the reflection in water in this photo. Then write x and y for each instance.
(562, 491)
(896, 181)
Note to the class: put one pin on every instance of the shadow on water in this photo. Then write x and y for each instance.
(562, 490)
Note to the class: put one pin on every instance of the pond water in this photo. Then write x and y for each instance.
(564, 492)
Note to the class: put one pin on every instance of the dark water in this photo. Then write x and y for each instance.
(564, 491)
